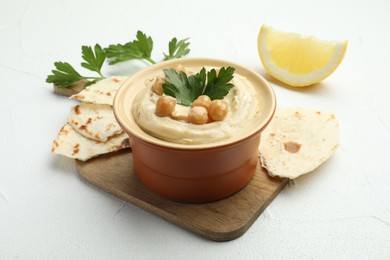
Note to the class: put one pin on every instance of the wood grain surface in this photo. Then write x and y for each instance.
(221, 220)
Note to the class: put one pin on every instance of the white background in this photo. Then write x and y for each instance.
(340, 211)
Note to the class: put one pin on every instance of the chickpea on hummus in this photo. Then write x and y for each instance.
(204, 120)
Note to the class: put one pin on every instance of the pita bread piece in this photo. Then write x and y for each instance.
(94, 121)
(102, 92)
(297, 141)
(73, 145)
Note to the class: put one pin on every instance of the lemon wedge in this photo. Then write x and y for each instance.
(298, 60)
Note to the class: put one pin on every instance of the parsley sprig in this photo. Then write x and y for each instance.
(177, 49)
(93, 61)
(65, 75)
(141, 48)
(187, 89)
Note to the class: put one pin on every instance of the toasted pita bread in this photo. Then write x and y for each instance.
(297, 141)
(73, 145)
(102, 92)
(94, 121)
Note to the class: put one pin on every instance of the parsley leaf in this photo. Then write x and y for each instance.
(94, 62)
(119, 53)
(177, 49)
(197, 83)
(65, 75)
(141, 48)
(178, 86)
(187, 89)
(219, 86)
(144, 44)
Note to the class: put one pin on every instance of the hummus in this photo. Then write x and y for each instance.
(243, 108)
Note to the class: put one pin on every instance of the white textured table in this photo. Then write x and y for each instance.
(341, 211)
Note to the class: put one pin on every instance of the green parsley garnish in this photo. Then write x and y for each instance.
(141, 48)
(65, 75)
(187, 89)
(177, 49)
(94, 62)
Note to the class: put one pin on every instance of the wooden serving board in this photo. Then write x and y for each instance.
(221, 220)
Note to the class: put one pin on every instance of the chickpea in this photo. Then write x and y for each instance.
(165, 106)
(198, 115)
(203, 101)
(157, 85)
(218, 110)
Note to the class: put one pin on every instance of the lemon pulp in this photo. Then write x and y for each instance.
(298, 60)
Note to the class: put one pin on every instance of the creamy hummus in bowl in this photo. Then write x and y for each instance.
(190, 162)
(243, 109)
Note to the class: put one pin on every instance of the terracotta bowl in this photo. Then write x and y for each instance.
(193, 173)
